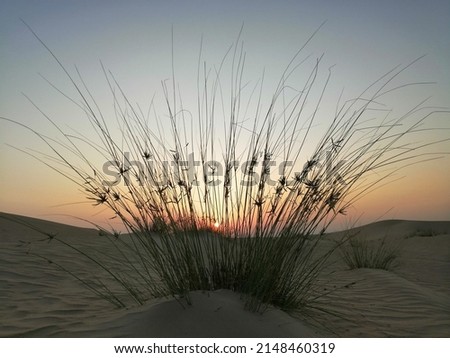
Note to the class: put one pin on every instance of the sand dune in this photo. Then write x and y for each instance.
(217, 314)
(411, 300)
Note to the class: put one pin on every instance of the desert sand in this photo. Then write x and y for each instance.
(412, 299)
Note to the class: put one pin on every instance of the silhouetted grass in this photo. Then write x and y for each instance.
(262, 246)
(358, 252)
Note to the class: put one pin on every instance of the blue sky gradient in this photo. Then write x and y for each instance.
(361, 39)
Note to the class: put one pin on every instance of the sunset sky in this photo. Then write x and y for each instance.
(361, 39)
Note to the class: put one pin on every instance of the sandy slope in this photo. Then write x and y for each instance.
(411, 300)
(217, 314)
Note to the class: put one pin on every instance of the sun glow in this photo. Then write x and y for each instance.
(216, 225)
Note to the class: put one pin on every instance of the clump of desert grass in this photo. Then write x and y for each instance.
(359, 252)
(429, 232)
(235, 221)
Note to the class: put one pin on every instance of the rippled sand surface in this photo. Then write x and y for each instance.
(37, 299)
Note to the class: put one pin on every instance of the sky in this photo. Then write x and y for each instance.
(360, 40)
